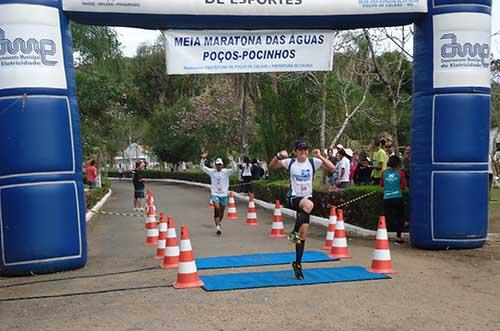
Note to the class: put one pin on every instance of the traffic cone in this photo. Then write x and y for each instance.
(331, 230)
(171, 258)
(211, 205)
(187, 274)
(150, 215)
(152, 234)
(231, 208)
(277, 230)
(381, 262)
(150, 198)
(162, 238)
(252, 212)
(339, 246)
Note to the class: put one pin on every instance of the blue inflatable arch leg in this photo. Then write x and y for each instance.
(450, 126)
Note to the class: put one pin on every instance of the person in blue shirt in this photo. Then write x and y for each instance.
(393, 180)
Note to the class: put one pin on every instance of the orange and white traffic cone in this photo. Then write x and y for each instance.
(339, 246)
(381, 262)
(331, 230)
(150, 215)
(187, 274)
(162, 238)
(211, 204)
(252, 212)
(150, 200)
(277, 230)
(231, 208)
(171, 258)
(152, 234)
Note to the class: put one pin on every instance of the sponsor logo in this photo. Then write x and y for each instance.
(455, 54)
(26, 52)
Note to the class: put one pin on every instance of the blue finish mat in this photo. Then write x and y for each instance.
(227, 282)
(252, 260)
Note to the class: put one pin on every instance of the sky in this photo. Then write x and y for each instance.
(131, 38)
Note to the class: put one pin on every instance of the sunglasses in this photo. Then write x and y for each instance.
(302, 149)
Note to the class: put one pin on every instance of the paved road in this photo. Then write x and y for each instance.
(121, 288)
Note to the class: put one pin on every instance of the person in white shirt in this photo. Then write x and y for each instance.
(246, 174)
(302, 170)
(219, 178)
(343, 169)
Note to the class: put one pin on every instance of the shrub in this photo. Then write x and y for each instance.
(94, 195)
(363, 213)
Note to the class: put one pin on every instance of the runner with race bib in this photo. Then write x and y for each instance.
(302, 170)
(219, 178)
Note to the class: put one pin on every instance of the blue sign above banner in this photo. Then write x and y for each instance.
(245, 14)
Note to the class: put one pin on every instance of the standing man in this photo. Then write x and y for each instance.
(139, 186)
(379, 159)
(219, 178)
(302, 169)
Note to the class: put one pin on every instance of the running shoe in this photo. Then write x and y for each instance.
(219, 231)
(297, 269)
(294, 237)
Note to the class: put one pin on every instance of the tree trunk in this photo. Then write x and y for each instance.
(394, 129)
(322, 142)
(244, 118)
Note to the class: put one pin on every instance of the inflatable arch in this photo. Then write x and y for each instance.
(42, 212)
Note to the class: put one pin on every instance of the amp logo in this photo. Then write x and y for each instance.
(464, 55)
(30, 49)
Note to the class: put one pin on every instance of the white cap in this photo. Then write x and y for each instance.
(219, 161)
(339, 146)
(349, 152)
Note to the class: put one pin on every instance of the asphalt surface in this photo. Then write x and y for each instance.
(122, 287)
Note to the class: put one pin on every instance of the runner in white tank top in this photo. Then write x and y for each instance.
(302, 170)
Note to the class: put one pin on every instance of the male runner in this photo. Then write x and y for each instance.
(302, 169)
(220, 185)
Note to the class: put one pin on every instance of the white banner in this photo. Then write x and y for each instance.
(248, 7)
(31, 53)
(220, 52)
(462, 50)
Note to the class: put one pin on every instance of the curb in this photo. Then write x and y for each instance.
(90, 214)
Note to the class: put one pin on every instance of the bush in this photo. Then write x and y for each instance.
(93, 196)
(363, 213)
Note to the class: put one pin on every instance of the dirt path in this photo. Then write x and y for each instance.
(121, 287)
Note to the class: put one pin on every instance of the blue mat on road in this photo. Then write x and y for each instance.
(227, 282)
(252, 260)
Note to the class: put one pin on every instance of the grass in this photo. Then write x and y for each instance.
(495, 203)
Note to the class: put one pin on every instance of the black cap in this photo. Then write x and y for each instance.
(301, 144)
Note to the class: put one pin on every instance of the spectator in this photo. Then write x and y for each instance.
(354, 166)
(257, 170)
(139, 186)
(343, 169)
(246, 174)
(379, 160)
(362, 173)
(332, 176)
(120, 171)
(394, 183)
(406, 164)
(91, 172)
(389, 149)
